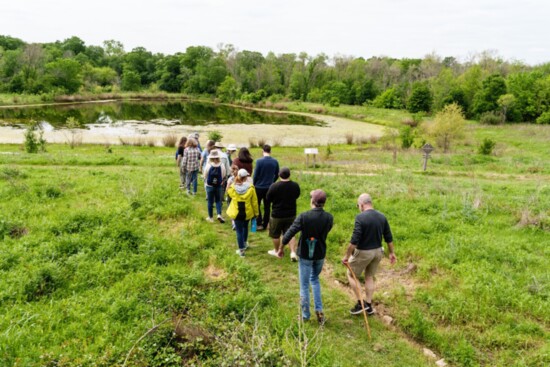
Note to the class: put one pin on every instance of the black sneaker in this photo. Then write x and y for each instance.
(359, 309)
(321, 319)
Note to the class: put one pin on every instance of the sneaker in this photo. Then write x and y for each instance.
(321, 319)
(359, 309)
(220, 219)
(188, 192)
(259, 228)
(210, 220)
(274, 253)
(233, 226)
(293, 257)
(240, 253)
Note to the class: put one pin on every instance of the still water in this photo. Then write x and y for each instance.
(149, 112)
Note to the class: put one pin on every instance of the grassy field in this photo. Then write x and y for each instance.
(104, 262)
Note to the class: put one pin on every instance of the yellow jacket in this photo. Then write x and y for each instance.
(244, 202)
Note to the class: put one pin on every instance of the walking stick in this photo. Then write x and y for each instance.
(360, 298)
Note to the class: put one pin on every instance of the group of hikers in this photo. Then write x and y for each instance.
(248, 187)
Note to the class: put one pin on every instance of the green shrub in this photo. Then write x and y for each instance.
(490, 118)
(215, 136)
(34, 141)
(486, 147)
(334, 102)
(544, 118)
(407, 137)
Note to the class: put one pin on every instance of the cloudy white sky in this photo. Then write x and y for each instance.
(516, 29)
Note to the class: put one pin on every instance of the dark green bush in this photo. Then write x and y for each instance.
(486, 147)
(544, 118)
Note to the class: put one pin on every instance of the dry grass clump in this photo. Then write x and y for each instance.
(319, 110)
(349, 138)
(169, 140)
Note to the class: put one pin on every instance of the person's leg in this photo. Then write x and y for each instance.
(304, 272)
(370, 271)
(276, 243)
(188, 180)
(239, 230)
(260, 195)
(245, 232)
(317, 267)
(218, 198)
(210, 198)
(183, 178)
(267, 209)
(195, 173)
(369, 288)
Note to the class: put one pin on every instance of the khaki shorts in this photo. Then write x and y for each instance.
(278, 226)
(366, 260)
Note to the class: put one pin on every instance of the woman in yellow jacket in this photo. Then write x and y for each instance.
(243, 207)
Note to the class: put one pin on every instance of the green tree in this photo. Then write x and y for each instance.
(486, 99)
(64, 74)
(448, 125)
(228, 90)
(131, 81)
(420, 99)
(506, 102)
(388, 99)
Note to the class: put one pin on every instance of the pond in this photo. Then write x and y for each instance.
(149, 112)
(156, 122)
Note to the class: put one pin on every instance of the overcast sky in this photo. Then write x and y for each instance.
(516, 30)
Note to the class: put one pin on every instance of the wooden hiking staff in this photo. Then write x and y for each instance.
(360, 298)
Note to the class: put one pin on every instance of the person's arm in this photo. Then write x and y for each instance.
(205, 173)
(349, 252)
(255, 174)
(294, 228)
(276, 176)
(388, 237)
(392, 256)
(355, 240)
(255, 202)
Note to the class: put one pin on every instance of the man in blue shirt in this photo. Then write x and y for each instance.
(265, 173)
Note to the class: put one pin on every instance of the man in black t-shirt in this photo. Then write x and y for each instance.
(365, 249)
(282, 196)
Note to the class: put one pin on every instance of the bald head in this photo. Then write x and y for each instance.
(364, 201)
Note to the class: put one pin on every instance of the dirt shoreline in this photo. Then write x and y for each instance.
(334, 132)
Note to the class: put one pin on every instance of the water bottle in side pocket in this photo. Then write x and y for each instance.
(253, 226)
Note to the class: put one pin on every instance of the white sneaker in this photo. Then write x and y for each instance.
(220, 219)
(273, 253)
(293, 257)
(240, 252)
(210, 220)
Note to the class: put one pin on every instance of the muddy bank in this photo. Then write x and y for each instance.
(334, 132)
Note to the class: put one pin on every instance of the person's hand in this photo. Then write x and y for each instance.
(345, 260)
(393, 258)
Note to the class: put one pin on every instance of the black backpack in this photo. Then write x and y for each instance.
(214, 176)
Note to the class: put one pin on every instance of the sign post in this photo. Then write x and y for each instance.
(313, 152)
(427, 149)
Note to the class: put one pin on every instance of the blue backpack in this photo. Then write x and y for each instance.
(214, 176)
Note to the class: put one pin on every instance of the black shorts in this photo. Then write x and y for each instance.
(278, 226)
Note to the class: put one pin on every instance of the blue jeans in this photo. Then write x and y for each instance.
(214, 194)
(192, 178)
(309, 271)
(241, 228)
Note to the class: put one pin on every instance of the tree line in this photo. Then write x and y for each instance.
(485, 87)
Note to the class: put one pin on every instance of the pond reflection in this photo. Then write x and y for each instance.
(164, 113)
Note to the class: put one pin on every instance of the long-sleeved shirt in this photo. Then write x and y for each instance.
(191, 159)
(370, 227)
(266, 172)
(315, 224)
